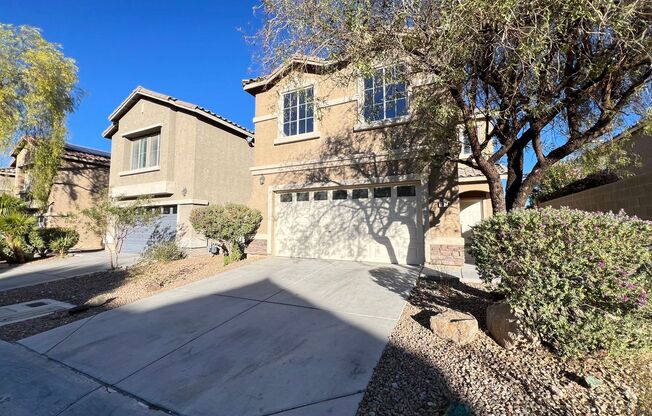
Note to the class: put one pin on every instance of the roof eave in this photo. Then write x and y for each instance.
(140, 92)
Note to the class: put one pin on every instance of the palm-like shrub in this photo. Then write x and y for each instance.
(579, 281)
(63, 239)
(14, 228)
(9, 204)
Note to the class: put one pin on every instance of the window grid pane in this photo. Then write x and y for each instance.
(385, 94)
(298, 112)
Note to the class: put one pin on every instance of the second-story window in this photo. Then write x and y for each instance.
(298, 112)
(466, 144)
(145, 152)
(385, 94)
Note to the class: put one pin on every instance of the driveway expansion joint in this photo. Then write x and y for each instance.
(341, 396)
(101, 383)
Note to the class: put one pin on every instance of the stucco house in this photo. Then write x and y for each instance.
(179, 156)
(83, 174)
(630, 194)
(327, 186)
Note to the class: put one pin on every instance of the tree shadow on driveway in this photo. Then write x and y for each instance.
(226, 346)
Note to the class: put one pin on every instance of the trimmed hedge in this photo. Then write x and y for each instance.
(579, 281)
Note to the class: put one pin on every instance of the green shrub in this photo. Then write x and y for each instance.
(229, 224)
(579, 281)
(14, 228)
(63, 239)
(40, 238)
(164, 251)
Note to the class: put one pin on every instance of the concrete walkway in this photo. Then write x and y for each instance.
(33, 385)
(48, 270)
(278, 337)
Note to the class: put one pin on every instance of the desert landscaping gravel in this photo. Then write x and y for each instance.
(107, 290)
(421, 374)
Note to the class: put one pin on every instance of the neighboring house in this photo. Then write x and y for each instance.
(179, 156)
(328, 188)
(7, 179)
(83, 174)
(631, 194)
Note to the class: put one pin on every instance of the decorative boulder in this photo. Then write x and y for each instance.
(455, 326)
(504, 326)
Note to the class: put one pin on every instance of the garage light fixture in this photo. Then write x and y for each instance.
(261, 180)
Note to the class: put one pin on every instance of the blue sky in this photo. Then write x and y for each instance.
(193, 50)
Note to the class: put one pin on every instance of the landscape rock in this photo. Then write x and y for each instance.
(504, 326)
(456, 326)
(591, 382)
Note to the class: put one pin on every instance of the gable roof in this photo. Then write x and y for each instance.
(70, 152)
(168, 100)
(86, 154)
(306, 63)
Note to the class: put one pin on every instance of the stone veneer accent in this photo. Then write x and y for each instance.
(447, 254)
(257, 246)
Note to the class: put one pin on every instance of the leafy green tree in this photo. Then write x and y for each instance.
(229, 224)
(37, 92)
(115, 220)
(543, 78)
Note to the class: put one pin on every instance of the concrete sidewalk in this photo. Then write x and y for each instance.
(48, 270)
(33, 385)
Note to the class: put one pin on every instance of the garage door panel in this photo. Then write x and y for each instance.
(367, 229)
(164, 228)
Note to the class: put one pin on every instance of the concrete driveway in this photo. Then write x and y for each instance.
(277, 337)
(48, 270)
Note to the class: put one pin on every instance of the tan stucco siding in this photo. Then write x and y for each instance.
(144, 114)
(221, 166)
(74, 190)
(630, 194)
(200, 163)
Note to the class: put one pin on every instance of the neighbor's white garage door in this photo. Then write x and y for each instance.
(376, 224)
(163, 228)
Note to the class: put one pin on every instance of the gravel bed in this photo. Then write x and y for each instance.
(422, 374)
(117, 288)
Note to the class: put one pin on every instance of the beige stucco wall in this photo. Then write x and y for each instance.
(200, 163)
(630, 194)
(74, 189)
(340, 136)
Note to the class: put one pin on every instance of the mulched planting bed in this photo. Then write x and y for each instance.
(110, 289)
(422, 374)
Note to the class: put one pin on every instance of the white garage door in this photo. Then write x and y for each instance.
(376, 224)
(164, 228)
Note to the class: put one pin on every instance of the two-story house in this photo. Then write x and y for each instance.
(178, 156)
(82, 176)
(329, 185)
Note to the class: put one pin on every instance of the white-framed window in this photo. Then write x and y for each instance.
(385, 94)
(145, 151)
(299, 112)
(466, 143)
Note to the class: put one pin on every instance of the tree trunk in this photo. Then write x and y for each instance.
(514, 176)
(496, 193)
